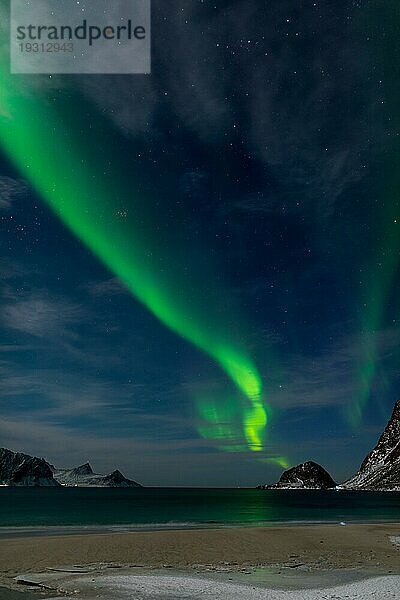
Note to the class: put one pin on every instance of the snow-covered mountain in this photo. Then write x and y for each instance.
(380, 469)
(84, 476)
(21, 470)
(18, 469)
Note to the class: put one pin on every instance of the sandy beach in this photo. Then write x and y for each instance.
(331, 546)
(169, 562)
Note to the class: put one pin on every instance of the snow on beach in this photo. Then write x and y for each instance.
(395, 539)
(164, 587)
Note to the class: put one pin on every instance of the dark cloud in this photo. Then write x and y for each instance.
(293, 88)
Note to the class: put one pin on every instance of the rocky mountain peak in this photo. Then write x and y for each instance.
(116, 479)
(82, 470)
(18, 469)
(307, 475)
(380, 470)
(387, 449)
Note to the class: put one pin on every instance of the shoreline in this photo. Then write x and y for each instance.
(14, 532)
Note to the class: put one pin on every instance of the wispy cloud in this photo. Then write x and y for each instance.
(42, 315)
(10, 190)
(107, 287)
(61, 394)
(11, 269)
(6, 348)
(329, 379)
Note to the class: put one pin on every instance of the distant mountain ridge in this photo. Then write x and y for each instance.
(84, 476)
(379, 471)
(23, 470)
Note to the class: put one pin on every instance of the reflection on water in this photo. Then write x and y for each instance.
(183, 507)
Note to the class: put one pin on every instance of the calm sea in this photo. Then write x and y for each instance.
(159, 508)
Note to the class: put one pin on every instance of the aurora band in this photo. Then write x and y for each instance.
(63, 170)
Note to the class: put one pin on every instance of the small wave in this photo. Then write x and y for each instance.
(56, 530)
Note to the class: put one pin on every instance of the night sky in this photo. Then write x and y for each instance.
(200, 267)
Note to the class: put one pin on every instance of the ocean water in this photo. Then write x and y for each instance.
(163, 508)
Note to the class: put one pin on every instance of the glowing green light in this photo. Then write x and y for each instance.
(63, 169)
(242, 371)
(281, 461)
(254, 425)
(378, 289)
(219, 420)
(226, 419)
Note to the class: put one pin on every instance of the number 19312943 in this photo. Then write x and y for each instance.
(46, 47)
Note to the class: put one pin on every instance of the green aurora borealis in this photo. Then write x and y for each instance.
(245, 195)
(380, 270)
(65, 173)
